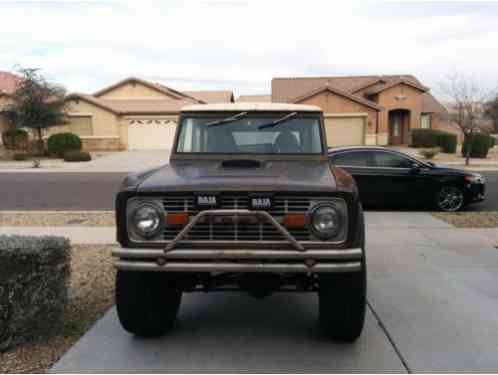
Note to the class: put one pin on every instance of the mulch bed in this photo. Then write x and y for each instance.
(469, 219)
(91, 295)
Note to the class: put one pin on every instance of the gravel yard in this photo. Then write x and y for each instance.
(42, 219)
(469, 219)
(91, 294)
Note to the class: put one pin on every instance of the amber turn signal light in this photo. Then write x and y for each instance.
(294, 220)
(177, 219)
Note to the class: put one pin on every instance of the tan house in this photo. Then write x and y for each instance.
(254, 98)
(372, 110)
(132, 114)
(8, 82)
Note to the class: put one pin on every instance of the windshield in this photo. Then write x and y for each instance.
(250, 135)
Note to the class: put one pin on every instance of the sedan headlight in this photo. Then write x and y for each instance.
(327, 220)
(147, 220)
(475, 178)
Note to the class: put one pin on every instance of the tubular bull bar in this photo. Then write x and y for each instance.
(298, 259)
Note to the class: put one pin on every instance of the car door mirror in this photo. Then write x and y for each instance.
(415, 167)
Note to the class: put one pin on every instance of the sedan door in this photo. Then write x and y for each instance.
(400, 180)
(359, 164)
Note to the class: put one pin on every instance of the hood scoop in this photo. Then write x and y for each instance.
(241, 163)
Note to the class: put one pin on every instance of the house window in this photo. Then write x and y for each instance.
(425, 121)
(81, 125)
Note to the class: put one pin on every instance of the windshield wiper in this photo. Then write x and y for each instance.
(227, 120)
(278, 121)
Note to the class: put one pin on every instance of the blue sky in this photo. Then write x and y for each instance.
(241, 45)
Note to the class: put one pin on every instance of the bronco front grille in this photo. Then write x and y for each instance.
(230, 231)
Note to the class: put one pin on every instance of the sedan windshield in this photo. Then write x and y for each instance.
(250, 135)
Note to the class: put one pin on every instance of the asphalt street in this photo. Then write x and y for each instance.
(96, 191)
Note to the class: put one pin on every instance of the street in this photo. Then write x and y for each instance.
(96, 191)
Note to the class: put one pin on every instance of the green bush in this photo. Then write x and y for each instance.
(20, 156)
(425, 138)
(59, 144)
(447, 142)
(480, 145)
(77, 156)
(34, 286)
(430, 138)
(15, 139)
(492, 141)
(429, 153)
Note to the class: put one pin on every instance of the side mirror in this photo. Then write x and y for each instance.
(415, 167)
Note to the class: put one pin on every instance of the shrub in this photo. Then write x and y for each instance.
(59, 144)
(77, 156)
(20, 156)
(429, 153)
(430, 138)
(447, 142)
(492, 141)
(15, 139)
(480, 145)
(33, 286)
(425, 137)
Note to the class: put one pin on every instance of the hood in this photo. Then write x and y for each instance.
(444, 169)
(213, 175)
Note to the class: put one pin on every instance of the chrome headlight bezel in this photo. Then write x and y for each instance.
(134, 232)
(338, 206)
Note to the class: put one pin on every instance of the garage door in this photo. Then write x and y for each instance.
(345, 131)
(151, 134)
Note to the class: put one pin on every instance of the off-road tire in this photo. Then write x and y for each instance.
(146, 305)
(342, 303)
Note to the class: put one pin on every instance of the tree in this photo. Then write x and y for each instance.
(36, 104)
(466, 99)
(492, 112)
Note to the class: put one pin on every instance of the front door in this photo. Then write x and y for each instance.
(396, 129)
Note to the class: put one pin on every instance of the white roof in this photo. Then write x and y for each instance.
(251, 107)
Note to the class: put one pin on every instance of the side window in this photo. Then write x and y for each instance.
(351, 159)
(390, 160)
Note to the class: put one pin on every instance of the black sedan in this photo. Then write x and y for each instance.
(388, 178)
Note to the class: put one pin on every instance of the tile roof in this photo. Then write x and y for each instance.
(334, 90)
(134, 106)
(431, 105)
(8, 82)
(213, 96)
(284, 89)
(254, 98)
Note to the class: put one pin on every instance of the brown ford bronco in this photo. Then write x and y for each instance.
(249, 201)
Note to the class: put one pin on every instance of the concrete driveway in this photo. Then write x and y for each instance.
(433, 302)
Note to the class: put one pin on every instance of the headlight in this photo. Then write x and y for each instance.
(147, 220)
(326, 220)
(475, 179)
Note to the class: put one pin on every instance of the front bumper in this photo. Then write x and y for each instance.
(230, 260)
(289, 256)
(475, 192)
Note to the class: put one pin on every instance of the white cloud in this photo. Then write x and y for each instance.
(241, 45)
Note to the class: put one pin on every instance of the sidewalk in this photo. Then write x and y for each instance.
(79, 235)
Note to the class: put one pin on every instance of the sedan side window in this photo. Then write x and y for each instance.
(390, 160)
(351, 159)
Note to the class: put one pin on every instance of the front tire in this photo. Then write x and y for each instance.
(146, 304)
(450, 198)
(342, 304)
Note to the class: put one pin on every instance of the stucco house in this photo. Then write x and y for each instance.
(132, 114)
(372, 110)
(8, 82)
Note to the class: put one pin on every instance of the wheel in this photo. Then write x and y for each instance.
(342, 303)
(450, 198)
(146, 305)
